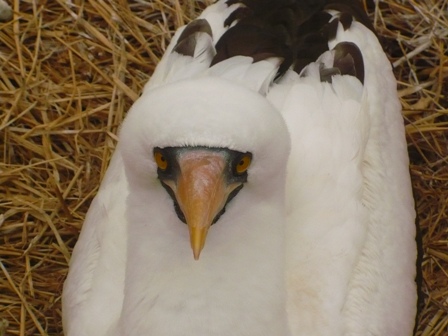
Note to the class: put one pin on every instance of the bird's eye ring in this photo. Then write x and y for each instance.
(161, 161)
(243, 164)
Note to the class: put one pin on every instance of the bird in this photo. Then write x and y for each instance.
(260, 186)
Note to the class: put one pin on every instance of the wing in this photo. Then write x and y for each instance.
(351, 235)
(192, 48)
(93, 291)
(192, 53)
(385, 273)
(327, 222)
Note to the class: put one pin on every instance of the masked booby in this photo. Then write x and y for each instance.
(329, 252)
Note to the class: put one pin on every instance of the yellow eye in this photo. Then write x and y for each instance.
(243, 164)
(160, 160)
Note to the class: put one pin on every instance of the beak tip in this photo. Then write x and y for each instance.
(196, 256)
(197, 241)
(197, 252)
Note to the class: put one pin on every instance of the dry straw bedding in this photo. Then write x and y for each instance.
(69, 71)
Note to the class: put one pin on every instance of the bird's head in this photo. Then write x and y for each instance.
(202, 140)
(201, 181)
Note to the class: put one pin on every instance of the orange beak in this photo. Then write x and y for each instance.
(201, 192)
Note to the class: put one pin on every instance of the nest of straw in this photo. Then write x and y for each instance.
(69, 71)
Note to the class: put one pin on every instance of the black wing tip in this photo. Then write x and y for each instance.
(348, 59)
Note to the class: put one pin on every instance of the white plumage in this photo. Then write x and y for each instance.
(158, 274)
(351, 235)
(329, 252)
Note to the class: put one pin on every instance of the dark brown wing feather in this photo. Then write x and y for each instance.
(186, 44)
(297, 31)
(348, 59)
(352, 8)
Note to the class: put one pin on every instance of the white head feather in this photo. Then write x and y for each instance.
(244, 246)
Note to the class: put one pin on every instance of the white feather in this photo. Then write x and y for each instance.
(174, 67)
(351, 235)
(162, 279)
(384, 276)
(93, 291)
(176, 292)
